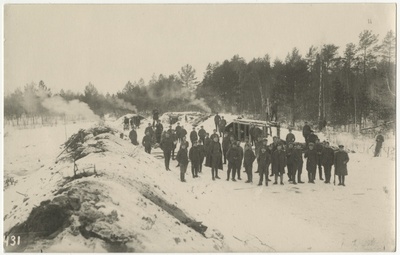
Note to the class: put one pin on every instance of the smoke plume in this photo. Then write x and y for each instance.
(58, 105)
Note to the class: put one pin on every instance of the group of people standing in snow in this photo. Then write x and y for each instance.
(222, 147)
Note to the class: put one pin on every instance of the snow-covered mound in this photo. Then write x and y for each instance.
(113, 203)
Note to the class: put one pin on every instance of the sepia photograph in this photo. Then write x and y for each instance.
(207, 127)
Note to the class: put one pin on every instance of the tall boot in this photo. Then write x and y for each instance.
(299, 178)
(276, 179)
(343, 181)
(309, 177)
(212, 174)
(281, 177)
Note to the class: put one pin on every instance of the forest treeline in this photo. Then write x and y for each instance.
(342, 86)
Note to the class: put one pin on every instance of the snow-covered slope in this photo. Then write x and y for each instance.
(239, 216)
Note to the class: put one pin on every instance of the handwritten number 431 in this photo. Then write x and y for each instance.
(12, 240)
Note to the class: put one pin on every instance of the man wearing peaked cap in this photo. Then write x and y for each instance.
(340, 162)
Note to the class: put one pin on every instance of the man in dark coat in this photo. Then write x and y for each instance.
(194, 156)
(146, 142)
(249, 158)
(214, 134)
(175, 140)
(278, 163)
(170, 130)
(183, 133)
(133, 137)
(225, 145)
(241, 153)
(297, 163)
(263, 160)
(149, 129)
(214, 158)
(290, 138)
(193, 136)
(312, 160)
(136, 121)
(312, 138)
(202, 134)
(233, 156)
(203, 154)
(319, 147)
(222, 125)
(159, 130)
(340, 161)
(290, 162)
(167, 145)
(178, 130)
(182, 158)
(379, 141)
(126, 123)
(217, 119)
(306, 132)
(155, 116)
(327, 158)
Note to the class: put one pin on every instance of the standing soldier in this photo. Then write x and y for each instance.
(170, 130)
(155, 116)
(182, 158)
(203, 154)
(290, 162)
(312, 138)
(126, 123)
(149, 129)
(263, 160)
(327, 158)
(340, 161)
(178, 130)
(217, 119)
(167, 145)
(214, 134)
(249, 158)
(312, 159)
(222, 125)
(290, 138)
(252, 134)
(146, 142)
(133, 136)
(225, 145)
(278, 163)
(175, 140)
(274, 110)
(131, 122)
(306, 132)
(233, 156)
(183, 133)
(241, 154)
(159, 130)
(379, 141)
(194, 156)
(193, 136)
(202, 134)
(319, 147)
(297, 163)
(214, 158)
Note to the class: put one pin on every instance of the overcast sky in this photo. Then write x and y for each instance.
(68, 46)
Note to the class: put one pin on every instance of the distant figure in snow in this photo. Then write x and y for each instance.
(322, 124)
(312, 160)
(379, 141)
(221, 126)
(178, 130)
(306, 132)
(126, 123)
(327, 158)
(278, 160)
(193, 136)
(167, 145)
(133, 137)
(146, 142)
(155, 116)
(297, 163)
(290, 138)
(217, 119)
(183, 160)
(202, 134)
(159, 130)
(214, 158)
(149, 129)
(249, 158)
(340, 163)
(194, 156)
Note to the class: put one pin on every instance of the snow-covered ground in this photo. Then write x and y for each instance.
(240, 217)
